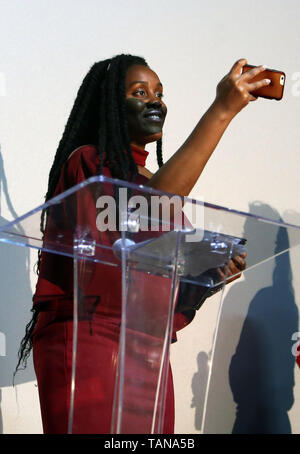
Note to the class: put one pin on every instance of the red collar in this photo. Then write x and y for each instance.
(139, 155)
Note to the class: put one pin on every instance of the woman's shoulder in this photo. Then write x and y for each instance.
(83, 163)
(84, 151)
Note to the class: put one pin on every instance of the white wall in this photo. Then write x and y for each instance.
(46, 49)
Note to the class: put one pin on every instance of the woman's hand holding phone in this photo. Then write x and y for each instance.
(234, 91)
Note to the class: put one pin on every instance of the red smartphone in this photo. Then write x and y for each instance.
(272, 91)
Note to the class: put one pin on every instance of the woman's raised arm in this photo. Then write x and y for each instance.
(181, 172)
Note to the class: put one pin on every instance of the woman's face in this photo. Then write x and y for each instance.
(145, 108)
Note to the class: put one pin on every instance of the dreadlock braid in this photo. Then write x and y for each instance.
(159, 153)
(124, 125)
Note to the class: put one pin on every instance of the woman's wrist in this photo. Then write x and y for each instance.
(221, 112)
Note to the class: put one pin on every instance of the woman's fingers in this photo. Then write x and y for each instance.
(248, 75)
(237, 67)
(239, 262)
(260, 83)
(228, 272)
(221, 274)
(252, 86)
(233, 270)
(234, 91)
(244, 79)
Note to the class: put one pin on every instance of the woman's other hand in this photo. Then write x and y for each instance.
(236, 265)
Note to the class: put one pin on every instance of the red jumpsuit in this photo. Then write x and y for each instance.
(98, 334)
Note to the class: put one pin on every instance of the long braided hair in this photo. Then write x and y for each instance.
(98, 117)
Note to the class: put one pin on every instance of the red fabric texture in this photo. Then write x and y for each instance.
(98, 328)
(139, 155)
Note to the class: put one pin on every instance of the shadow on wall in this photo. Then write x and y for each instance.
(199, 383)
(16, 301)
(251, 389)
(261, 372)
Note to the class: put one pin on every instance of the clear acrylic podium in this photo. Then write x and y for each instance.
(136, 258)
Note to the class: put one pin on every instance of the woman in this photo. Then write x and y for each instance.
(118, 110)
